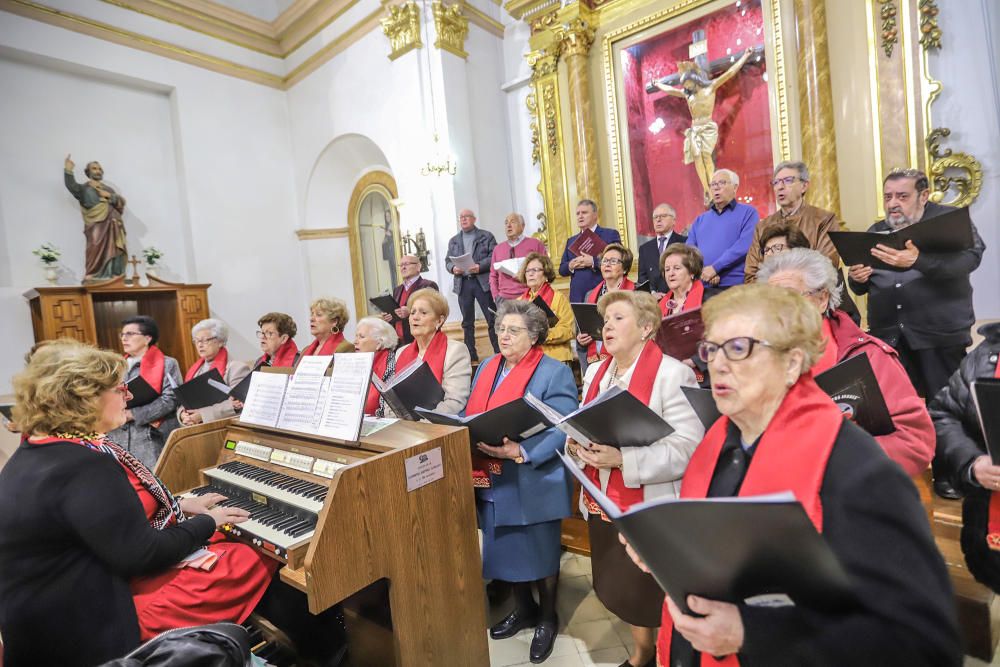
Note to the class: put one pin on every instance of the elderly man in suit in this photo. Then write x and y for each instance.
(474, 284)
(409, 271)
(664, 219)
(584, 270)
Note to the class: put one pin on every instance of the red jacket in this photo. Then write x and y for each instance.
(912, 444)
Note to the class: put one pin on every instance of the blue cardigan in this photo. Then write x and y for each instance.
(539, 489)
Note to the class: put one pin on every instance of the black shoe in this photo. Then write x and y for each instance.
(514, 623)
(943, 488)
(543, 641)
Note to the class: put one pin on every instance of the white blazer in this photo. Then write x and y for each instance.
(456, 380)
(658, 468)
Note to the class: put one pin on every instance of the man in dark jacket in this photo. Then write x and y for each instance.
(664, 219)
(473, 285)
(962, 453)
(409, 271)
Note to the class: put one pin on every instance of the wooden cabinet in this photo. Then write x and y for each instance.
(93, 313)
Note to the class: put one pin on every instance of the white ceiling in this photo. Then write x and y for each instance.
(266, 10)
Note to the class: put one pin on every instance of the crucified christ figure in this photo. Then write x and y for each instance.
(699, 90)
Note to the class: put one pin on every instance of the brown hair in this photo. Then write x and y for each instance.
(547, 268)
(691, 258)
(437, 302)
(60, 389)
(283, 323)
(625, 253)
(647, 311)
(794, 238)
(334, 309)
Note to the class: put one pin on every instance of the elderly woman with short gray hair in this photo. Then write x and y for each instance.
(522, 490)
(210, 337)
(373, 334)
(810, 273)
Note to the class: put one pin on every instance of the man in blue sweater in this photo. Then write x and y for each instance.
(723, 233)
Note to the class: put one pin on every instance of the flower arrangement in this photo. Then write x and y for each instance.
(48, 253)
(152, 255)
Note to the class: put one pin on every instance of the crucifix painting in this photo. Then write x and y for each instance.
(693, 95)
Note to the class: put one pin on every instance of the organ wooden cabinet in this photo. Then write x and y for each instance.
(93, 313)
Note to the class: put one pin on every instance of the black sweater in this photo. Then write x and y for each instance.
(72, 533)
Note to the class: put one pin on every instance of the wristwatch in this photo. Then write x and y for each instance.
(518, 459)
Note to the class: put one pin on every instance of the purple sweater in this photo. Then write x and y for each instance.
(724, 238)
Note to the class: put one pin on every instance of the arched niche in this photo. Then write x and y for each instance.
(373, 224)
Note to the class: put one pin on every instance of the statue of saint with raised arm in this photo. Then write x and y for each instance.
(102, 210)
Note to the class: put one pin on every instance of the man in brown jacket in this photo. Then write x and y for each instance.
(791, 181)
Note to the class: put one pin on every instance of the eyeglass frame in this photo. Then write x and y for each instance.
(774, 248)
(264, 335)
(203, 341)
(502, 329)
(707, 357)
(787, 180)
(611, 261)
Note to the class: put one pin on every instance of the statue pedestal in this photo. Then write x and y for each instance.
(93, 313)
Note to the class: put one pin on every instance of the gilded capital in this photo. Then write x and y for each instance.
(542, 62)
(402, 27)
(575, 37)
(452, 28)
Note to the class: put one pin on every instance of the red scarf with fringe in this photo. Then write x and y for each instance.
(595, 351)
(640, 386)
(329, 345)
(434, 355)
(219, 363)
(791, 456)
(484, 398)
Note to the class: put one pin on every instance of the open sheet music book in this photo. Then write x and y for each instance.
(510, 267)
(413, 387)
(463, 262)
(853, 387)
(345, 401)
(516, 420)
(615, 418)
(264, 398)
(302, 394)
(757, 550)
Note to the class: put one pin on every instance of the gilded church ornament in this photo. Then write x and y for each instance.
(452, 28)
(402, 27)
(575, 38)
(930, 33)
(542, 63)
(536, 150)
(969, 180)
(890, 30)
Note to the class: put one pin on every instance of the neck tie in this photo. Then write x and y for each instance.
(660, 242)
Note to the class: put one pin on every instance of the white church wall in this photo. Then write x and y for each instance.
(203, 159)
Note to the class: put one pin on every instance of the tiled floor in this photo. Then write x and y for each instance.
(588, 634)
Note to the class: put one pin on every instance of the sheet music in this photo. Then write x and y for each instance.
(320, 405)
(345, 402)
(264, 399)
(302, 395)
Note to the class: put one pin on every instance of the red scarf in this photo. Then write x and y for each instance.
(791, 456)
(484, 398)
(830, 352)
(284, 357)
(378, 368)
(219, 363)
(640, 386)
(595, 351)
(434, 356)
(545, 291)
(694, 298)
(151, 368)
(329, 346)
(993, 524)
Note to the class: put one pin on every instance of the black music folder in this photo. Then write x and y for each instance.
(986, 398)
(679, 334)
(6, 409)
(948, 232)
(413, 387)
(202, 391)
(516, 420)
(588, 320)
(239, 392)
(757, 550)
(549, 314)
(644, 286)
(386, 304)
(615, 418)
(142, 393)
(853, 387)
(703, 403)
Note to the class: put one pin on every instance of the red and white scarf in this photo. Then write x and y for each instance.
(384, 368)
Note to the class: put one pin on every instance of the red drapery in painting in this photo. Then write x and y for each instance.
(656, 121)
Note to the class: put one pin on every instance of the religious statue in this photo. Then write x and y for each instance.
(103, 227)
(698, 88)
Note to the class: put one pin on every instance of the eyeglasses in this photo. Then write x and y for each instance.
(128, 334)
(501, 330)
(611, 261)
(663, 216)
(123, 390)
(533, 270)
(774, 249)
(261, 335)
(204, 341)
(718, 184)
(735, 349)
(787, 180)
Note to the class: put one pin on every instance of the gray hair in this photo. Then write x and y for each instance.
(213, 326)
(815, 268)
(670, 209)
(733, 176)
(534, 319)
(797, 166)
(589, 202)
(381, 330)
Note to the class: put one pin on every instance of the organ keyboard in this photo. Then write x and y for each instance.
(343, 518)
